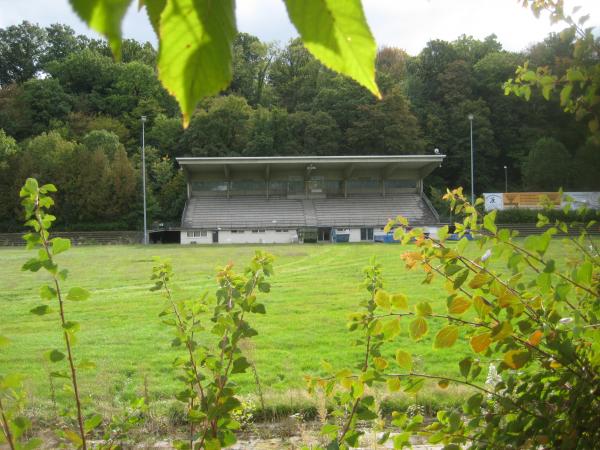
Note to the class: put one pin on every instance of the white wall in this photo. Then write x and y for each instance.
(354, 234)
(185, 239)
(247, 237)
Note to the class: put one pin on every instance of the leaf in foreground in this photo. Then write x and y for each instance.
(337, 34)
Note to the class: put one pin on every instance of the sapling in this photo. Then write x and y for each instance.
(36, 202)
(208, 367)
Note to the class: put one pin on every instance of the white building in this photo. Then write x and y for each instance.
(303, 198)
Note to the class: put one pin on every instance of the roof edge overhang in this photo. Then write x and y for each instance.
(205, 161)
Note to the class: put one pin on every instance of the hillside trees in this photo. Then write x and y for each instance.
(283, 101)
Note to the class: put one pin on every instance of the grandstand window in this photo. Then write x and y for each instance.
(248, 187)
(203, 233)
(190, 234)
(364, 186)
(198, 233)
(400, 184)
(366, 234)
(334, 187)
(209, 186)
(277, 188)
(262, 231)
(295, 185)
(255, 231)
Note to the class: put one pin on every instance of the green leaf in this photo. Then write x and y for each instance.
(446, 337)
(55, 355)
(104, 16)
(414, 385)
(154, 8)
(240, 365)
(337, 34)
(584, 273)
(194, 58)
(465, 366)
(404, 359)
(86, 364)
(47, 292)
(78, 294)
(418, 328)
(393, 384)
(489, 222)
(382, 299)
(400, 301)
(71, 327)
(92, 423)
(41, 310)
(60, 245)
(423, 309)
(391, 329)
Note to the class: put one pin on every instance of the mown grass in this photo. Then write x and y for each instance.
(314, 289)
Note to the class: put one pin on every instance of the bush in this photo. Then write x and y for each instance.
(517, 215)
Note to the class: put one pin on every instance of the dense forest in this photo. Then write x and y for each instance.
(70, 115)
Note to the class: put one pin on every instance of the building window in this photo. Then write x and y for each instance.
(262, 231)
(190, 234)
(255, 231)
(203, 233)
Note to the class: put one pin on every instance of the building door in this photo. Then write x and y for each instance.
(324, 234)
(215, 237)
(366, 234)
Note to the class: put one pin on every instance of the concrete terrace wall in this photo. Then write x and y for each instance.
(81, 237)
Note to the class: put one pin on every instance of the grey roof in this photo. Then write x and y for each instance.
(259, 212)
(423, 164)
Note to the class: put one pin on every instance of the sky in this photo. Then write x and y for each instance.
(408, 24)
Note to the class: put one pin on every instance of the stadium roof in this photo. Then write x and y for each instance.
(424, 164)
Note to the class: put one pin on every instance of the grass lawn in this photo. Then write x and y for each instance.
(314, 289)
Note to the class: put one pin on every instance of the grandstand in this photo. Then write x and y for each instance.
(291, 199)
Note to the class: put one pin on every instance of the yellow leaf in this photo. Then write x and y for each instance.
(480, 342)
(443, 384)
(393, 384)
(458, 305)
(400, 301)
(382, 299)
(404, 359)
(380, 363)
(446, 337)
(536, 337)
(516, 359)
(418, 328)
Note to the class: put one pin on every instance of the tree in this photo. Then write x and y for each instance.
(102, 140)
(61, 42)
(577, 77)
(586, 167)
(294, 77)
(251, 62)
(46, 102)
(219, 129)
(548, 166)
(387, 127)
(21, 50)
(8, 149)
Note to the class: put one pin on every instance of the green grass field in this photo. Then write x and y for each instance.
(314, 289)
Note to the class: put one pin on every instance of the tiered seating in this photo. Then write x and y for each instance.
(243, 212)
(372, 210)
(259, 212)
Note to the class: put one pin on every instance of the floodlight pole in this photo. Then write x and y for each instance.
(144, 177)
(472, 168)
(505, 179)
